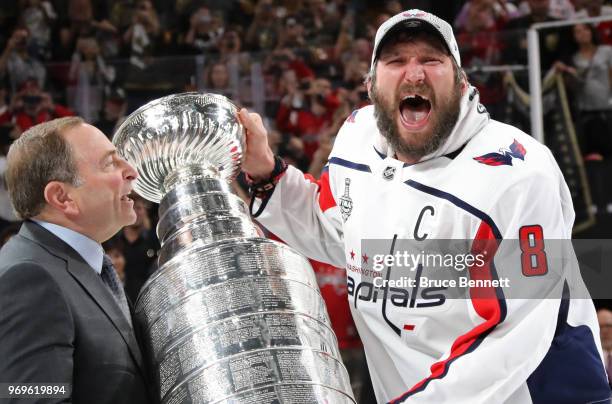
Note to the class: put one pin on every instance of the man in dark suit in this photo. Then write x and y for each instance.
(62, 317)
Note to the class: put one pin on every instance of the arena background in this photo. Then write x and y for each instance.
(301, 64)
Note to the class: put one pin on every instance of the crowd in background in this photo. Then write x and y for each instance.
(300, 63)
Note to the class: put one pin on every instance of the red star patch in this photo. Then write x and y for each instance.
(365, 257)
(352, 254)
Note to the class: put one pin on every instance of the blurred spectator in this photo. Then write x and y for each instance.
(31, 106)
(20, 61)
(559, 9)
(91, 75)
(121, 14)
(346, 34)
(592, 69)
(305, 112)
(604, 317)
(81, 23)
(37, 16)
(142, 34)
(320, 22)
(274, 140)
(283, 72)
(596, 8)
(230, 46)
(114, 249)
(552, 40)
(205, 30)
(393, 7)
(263, 31)
(484, 14)
(355, 71)
(140, 247)
(114, 112)
(217, 80)
(360, 50)
(292, 151)
(232, 11)
(478, 27)
(326, 140)
(292, 34)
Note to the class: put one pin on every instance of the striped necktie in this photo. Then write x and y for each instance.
(111, 280)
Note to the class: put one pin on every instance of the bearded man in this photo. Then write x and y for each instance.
(425, 162)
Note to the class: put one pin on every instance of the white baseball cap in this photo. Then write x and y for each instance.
(417, 19)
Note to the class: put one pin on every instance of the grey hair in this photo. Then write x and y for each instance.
(39, 156)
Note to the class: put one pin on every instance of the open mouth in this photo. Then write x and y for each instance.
(414, 111)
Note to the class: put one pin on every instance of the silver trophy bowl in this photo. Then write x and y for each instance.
(229, 316)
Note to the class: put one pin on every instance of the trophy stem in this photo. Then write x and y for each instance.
(199, 208)
(187, 174)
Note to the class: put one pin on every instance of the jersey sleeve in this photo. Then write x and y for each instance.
(513, 327)
(303, 213)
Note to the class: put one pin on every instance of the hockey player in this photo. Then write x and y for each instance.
(425, 161)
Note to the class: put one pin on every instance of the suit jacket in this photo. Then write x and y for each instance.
(59, 323)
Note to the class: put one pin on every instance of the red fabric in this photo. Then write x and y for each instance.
(332, 282)
(326, 199)
(301, 69)
(485, 303)
(483, 48)
(25, 121)
(605, 32)
(306, 125)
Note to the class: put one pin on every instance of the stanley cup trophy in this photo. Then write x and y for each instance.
(229, 316)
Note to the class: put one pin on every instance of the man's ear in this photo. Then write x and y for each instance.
(58, 196)
(464, 82)
(368, 84)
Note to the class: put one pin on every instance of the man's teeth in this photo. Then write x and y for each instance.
(415, 116)
(414, 96)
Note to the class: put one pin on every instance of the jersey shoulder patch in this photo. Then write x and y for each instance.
(503, 156)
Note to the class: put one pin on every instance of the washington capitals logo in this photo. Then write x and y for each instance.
(414, 13)
(503, 157)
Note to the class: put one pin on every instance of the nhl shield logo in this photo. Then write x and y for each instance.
(389, 173)
(346, 203)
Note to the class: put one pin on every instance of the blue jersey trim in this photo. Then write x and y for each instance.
(381, 155)
(572, 370)
(349, 164)
(459, 203)
(472, 348)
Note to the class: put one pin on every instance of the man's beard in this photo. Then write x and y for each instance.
(442, 123)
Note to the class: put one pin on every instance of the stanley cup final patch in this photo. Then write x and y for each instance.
(389, 173)
(346, 203)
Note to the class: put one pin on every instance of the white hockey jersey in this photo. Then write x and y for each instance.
(488, 181)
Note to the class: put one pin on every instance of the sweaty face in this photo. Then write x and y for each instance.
(416, 95)
(103, 205)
